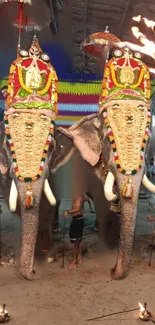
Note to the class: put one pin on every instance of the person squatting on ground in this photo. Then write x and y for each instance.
(76, 229)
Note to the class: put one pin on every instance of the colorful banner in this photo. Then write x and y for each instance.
(75, 100)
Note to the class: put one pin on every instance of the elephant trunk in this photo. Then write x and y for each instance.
(128, 223)
(30, 222)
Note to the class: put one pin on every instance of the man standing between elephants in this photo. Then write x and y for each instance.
(76, 229)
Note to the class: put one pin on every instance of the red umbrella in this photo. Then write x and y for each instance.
(95, 44)
(32, 9)
(98, 45)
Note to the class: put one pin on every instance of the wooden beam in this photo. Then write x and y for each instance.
(85, 30)
(119, 31)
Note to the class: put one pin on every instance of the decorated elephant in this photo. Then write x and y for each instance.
(115, 142)
(27, 141)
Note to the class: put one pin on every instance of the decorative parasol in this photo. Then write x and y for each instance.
(28, 25)
(98, 43)
(34, 10)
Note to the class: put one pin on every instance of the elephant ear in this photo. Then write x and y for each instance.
(86, 136)
(63, 150)
(3, 156)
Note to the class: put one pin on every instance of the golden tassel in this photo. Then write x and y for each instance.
(128, 190)
(29, 197)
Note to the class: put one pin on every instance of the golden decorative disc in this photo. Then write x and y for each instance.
(127, 76)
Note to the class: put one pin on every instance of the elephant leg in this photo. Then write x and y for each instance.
(126, 243)
(128, 223)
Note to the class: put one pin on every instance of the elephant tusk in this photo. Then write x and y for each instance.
(108, 187)
(148, 184)
(48, 193)
(13, 197)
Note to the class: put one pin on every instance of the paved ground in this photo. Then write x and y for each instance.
(60, 296)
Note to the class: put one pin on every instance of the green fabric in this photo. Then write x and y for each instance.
(23, 93)
(33, 105)
(117, 89)
(71, 88)
(119, 94)
(3, 83)
(79, 88)
(123, 96)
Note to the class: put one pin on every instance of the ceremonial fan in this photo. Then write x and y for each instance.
(28, 15)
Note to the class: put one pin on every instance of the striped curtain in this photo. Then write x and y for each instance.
(75, 100)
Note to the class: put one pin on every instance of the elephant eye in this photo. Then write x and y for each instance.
(141, 107)
(16, 115)
(44, 117)
(115, 106)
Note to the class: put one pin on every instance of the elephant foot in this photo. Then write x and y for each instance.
(28, 275)
(117, 275)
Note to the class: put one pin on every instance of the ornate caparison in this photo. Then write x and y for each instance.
(31, 109)
(124, 103)
(28, 165)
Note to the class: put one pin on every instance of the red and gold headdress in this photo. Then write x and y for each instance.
(125, 77)
(33, 81)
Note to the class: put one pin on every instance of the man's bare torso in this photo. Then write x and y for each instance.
(77, 205)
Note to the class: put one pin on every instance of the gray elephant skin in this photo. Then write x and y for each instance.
(116, 143)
